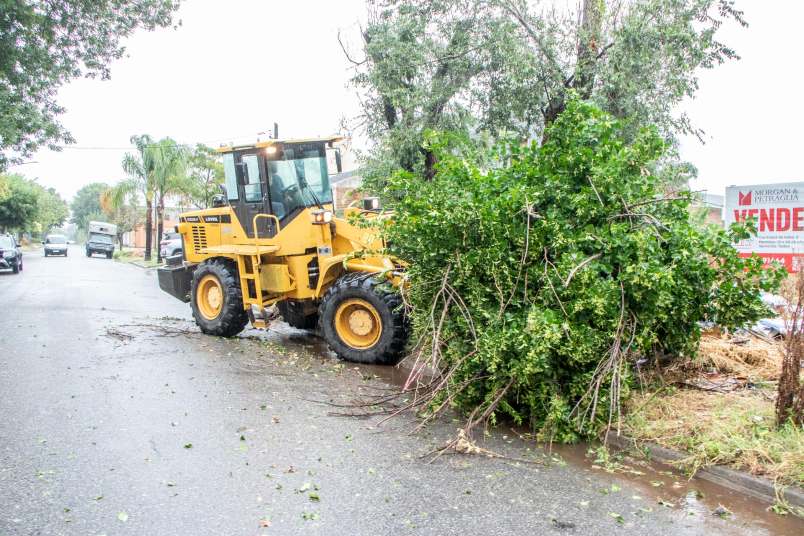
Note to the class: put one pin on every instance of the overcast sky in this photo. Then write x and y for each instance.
(235, 67)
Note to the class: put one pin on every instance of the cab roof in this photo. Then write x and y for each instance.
(269, 142)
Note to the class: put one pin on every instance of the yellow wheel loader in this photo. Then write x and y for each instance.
(271, 239)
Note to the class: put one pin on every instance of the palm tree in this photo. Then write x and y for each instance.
(170, 164)
(141, 171)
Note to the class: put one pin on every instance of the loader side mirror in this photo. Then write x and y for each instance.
(338, 161)
(334, 160)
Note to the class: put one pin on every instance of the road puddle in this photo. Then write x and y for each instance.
(663, 486)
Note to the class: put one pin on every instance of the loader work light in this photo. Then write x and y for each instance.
(321, 217)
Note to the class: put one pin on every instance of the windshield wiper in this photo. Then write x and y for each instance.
(306, 186)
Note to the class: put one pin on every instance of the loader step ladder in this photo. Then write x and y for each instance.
(249, 268)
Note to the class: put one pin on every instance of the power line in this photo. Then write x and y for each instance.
(134, 147)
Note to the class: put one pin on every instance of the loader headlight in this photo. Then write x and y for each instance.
(371, 203)
(321, 217)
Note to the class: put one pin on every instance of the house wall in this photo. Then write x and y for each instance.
(136, 238)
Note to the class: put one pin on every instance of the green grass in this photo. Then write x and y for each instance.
(133, 257)
(736, 429)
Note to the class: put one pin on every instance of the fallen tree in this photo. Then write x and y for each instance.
(541, 280)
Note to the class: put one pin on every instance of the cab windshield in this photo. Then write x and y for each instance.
(55, 239)
(298, 180)
(100, 238)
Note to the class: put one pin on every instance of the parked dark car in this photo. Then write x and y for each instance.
(55, 245)
(10, 254)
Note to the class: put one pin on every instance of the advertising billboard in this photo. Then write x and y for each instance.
(778, 210)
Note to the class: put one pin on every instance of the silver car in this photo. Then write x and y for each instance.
(170, 245)
(55, 245)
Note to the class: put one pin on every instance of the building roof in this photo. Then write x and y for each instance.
(705, 199)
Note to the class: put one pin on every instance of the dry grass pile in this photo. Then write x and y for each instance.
(746, 357)
(737, 429)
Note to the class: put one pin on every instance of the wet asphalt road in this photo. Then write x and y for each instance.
(118, 417)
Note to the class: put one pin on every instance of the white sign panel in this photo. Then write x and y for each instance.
(778, 211)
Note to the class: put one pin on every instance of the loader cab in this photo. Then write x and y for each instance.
(281, 178)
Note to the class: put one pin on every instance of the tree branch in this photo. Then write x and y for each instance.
(346, 53)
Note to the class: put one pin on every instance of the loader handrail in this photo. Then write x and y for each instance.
(257, 230)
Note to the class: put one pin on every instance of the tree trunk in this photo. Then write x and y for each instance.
(583, 79)
(551, 114)
(160, 222)
(149, 225)
(429, 164)
(790, 392)
(588, 47)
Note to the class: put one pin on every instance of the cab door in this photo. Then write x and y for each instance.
(253, 195)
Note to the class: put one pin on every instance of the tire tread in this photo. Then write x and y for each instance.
(233, 317)
(393, 348)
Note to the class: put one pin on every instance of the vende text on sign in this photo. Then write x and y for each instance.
(778, 210)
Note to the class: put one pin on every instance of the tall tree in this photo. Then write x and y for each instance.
(25, 205)
(52, 210)
(18, 206)
(140, 168)
(508, 66)
(45, 43)
(86, 204)
(123, 213)
(170, 161)
(204, 174)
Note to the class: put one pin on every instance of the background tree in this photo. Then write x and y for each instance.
(501, 66)
(86, 204)
(52, 210)
(25, 205)
(19, 205)
(3, 187)
(140, 168)
(170, 161)
(204, 174)
(126, 216)
(45, 43)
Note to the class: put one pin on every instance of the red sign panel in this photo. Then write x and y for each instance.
(778, 212)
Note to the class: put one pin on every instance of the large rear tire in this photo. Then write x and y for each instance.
(362, 319)
(216, 298)
(299, 314)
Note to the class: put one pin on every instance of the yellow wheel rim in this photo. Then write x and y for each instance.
(209, 297)
(358, 323)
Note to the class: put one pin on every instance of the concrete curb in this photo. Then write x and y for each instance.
(757, 487)
(138, 264)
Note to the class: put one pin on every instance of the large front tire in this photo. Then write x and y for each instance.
(362, 319)
(216, 298)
